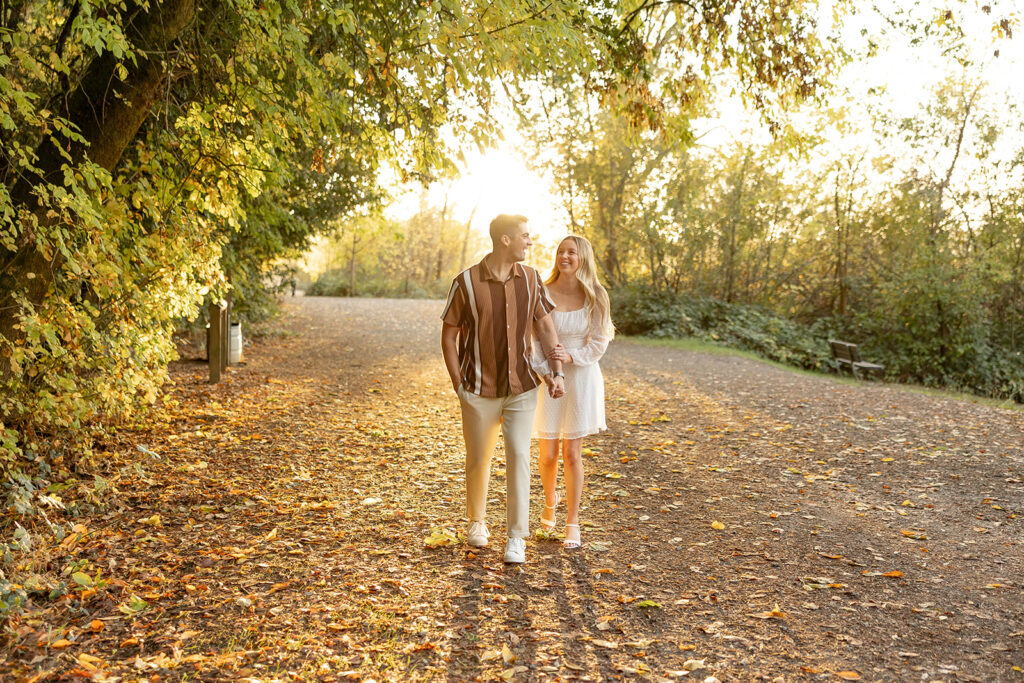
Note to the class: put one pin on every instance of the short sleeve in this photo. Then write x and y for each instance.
(542, 303)
(455, 306)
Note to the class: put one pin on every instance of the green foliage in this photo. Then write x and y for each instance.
(642, 311)
(911, 246)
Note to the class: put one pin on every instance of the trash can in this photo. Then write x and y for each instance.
(235, 344)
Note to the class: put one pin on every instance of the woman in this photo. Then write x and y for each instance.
(584, 326)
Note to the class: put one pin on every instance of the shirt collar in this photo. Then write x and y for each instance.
(487, 274)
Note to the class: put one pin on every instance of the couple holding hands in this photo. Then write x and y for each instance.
(494, 311)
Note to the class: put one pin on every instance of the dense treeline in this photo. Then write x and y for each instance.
(415, 257)
(927, 275)
(904, 234)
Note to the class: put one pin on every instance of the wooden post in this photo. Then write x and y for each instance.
(215, 342)
(225, 331)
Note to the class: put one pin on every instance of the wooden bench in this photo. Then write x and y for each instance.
(847, 355)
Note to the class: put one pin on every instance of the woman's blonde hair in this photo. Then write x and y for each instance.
(597, 306)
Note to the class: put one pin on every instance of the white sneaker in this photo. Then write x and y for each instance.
(477, 534)
(515, 551)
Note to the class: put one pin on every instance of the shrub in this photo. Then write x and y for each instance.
(640, 311)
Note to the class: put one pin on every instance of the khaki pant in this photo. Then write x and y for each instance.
(481, 418)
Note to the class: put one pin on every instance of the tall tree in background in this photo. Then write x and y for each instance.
(612, 162)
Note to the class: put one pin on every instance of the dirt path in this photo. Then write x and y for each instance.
(740, 522)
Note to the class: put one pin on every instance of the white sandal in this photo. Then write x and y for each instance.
(572, 544)
(548, 524)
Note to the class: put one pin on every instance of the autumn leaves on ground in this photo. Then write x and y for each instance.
(741, 522)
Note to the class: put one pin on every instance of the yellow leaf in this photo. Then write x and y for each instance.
(60, 643)
(506, 654)
(439, 537)
(151, 521)
(489, 655)
(717, 525)
(848, 675)
(893, 574)
(272, 535)
(96, 625)
(773, 613)
(89, 660)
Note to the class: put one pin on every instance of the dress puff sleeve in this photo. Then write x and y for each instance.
(592, 351)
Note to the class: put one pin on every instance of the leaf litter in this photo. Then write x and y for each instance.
(290, 519)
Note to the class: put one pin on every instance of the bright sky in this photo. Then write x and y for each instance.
(498, 181)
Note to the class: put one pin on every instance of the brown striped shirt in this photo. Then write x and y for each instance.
(495, 321)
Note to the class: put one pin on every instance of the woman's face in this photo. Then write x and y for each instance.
(567, 258)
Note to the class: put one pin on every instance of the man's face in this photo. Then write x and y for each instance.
(519, 242)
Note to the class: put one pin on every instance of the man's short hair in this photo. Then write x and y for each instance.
(505, 224)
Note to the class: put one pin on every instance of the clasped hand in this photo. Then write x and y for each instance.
(559, 353)
(556, 386)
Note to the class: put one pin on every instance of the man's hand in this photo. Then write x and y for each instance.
(559, 353)
(556, 387)
(450, 350)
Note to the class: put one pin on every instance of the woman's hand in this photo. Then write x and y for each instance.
(559, 353)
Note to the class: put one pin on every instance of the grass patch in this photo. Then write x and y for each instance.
(699, 346)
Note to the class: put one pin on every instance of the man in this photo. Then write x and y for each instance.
(492, 309)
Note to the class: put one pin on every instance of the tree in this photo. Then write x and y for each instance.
(612, 161)
(146, 146)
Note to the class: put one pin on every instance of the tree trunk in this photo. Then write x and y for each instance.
(108, 113)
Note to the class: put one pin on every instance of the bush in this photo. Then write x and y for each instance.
(330, 283)
(336, 283)
(641, 311)
(969, 360)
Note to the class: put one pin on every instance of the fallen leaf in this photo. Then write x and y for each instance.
(717, 525)
(440, 537)
(693, 664)
(506, 654)
(774, 613)
(848, 675)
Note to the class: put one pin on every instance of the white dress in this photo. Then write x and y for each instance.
(580, 412)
